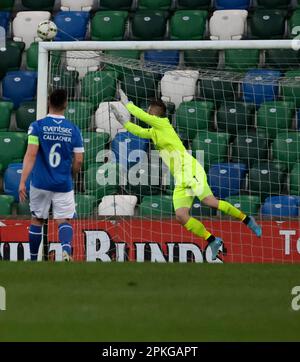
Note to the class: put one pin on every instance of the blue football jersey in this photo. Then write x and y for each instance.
(58, 139)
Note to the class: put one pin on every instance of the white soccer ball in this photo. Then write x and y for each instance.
(47, 30)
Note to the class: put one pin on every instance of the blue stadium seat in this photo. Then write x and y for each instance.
(232, 4)
(122, 146)
(72, 25)
(11, 180)
(19, 86)
(260, 85)
(4, 19)
(281, 206)
(167, 57)
(226, 179)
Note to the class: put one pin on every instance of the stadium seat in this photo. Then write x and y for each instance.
(232, 4)
(241, 59)
(226, 179)
(25, 25)
(294, 23)
(274, 4)
(6, 109)
(88, 61)
(19, 86)
(116, 4)
(213, 144)
(117, 205)
(294, 180)
(281, 206)
(102, 180)
(218, 90)
(72, 25)
(200, 210)
(159, 206)
(109, 25)
(178, 86)
(38, 5)
(23, 208)
(32, 55)
(78, 5)
(85, 205)
(193, 4)
(80, 113)
(283, 59)
(148, 25)
(285, 148)
(61, 78)
(290, 87)
(274, 117)
(25, 115)
(192, 117)
(4, 19)
(11, 57)
(129, 149)
(6, 204)
(201, 58)
(260, 85)
(267, 24)
(94, 142)
(11, 180)
(12, 147)
(249, 204)
(228, 24)
(249, 149)
(234, 116)
(106, 121)
(154, 4)
(166, 57)
(99, 86)
(265, 179)
(188, 25)
(118, 65)
(7, 5)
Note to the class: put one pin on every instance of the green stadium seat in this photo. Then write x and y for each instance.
(32, 56)
(116, 4)
(159, 206)
(241, 59)
(80, 113)
(294, 184)
(193, 116)
(25, 115)
(99, 86)
(201, 58)
(265, 179)
(101, 180)
(188, 24)
(11, 57)
(283, 59)
(274, 4)
(218, 90)
(6, 5)
(235, 116)
(6, 204)
(290, 87)
(12, 147)
(267, 24)
(38, 4)
(67, 79)
(249, 204)
(154, 4)
(109, 25)
(120, 69)
(85, 205)
(213, 144)
(274, 117)
(23, 208)
(249, 148)
(193, 4)
(294, 23)
(94, 142)
(6, 109)
(148, 25)
(286, 148)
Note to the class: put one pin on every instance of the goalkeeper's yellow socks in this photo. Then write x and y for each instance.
(35, 238)
(229, 209)
(197, 228)
(65, 235)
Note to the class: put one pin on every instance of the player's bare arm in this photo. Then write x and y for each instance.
(28, 163)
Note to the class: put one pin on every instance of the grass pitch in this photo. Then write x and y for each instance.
(148, 302)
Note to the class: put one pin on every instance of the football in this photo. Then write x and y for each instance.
(47, 30)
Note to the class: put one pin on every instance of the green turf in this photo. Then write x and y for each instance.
(148, 302)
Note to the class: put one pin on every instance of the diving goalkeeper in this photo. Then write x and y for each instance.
(190, 177)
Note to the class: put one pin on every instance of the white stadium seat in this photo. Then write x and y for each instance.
(228, 24)
(106, 120)
(83, 61)
(25, 25)
(179, 86)
(117, 205)
(77, 5)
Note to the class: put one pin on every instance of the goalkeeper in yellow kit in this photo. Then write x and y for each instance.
(190, 177)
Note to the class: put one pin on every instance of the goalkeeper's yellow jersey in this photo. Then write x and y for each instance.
(182, 165)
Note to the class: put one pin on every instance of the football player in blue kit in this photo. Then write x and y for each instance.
(54, 155)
